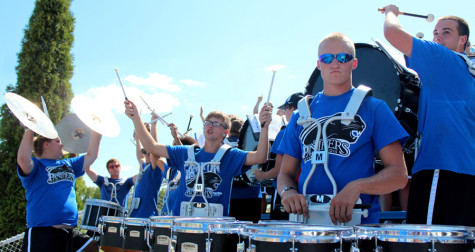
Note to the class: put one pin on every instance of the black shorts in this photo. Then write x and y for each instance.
(53, 239)
(454, 201)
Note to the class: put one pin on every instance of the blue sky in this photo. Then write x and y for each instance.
(180, 55)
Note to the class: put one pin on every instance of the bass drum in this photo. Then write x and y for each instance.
(390, 81)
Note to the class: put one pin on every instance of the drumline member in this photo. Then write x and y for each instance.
(216, 127)
(144, 203)
(51, 207)
(443, 179)
(351, 148)
(113, 188)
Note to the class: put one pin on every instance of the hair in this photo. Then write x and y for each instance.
(112, 160)
(236, 124)
(341, 37)
(187, 140)
(462, 25)
(38, 145)
(222, 116)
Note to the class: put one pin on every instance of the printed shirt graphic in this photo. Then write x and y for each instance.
(351, 148)
(218, 179)
(50, 194)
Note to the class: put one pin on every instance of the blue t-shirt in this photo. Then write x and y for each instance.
(446, 116)
(146, 189)
(122, 187)
(351, 148)
(218, 179)
(173, 200)
(50, 194)
(275, 150)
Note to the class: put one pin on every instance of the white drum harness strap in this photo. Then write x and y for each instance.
(321, 157)
(114, 189)
(202, 209)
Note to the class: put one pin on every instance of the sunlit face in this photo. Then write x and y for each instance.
(336, 73)
(54, 147)
(214, 132)
(446, 33)
(114, 169)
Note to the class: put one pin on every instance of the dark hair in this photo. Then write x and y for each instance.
(38, 145)
(462, 25)
(236, 124)
(111, 161)
(187, 140)
(222, 116)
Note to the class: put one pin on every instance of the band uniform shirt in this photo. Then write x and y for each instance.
(122, 188)
(50, 194)
(218, 179)
(146, 189)
(446, 116)
(351, 147)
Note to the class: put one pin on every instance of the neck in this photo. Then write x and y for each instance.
(49, 156)
(115, 177)
(212, 146)
(335, 90)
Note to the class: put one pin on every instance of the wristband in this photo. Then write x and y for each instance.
(286, 189)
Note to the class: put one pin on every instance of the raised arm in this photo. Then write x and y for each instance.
(260, 155)
(24, 153)
(148, 142)
(394, 33)
(174, 132)
(256, 107)
(138, 151)
(91, 174)
(92, 149)
(201, 114)
(154, 159)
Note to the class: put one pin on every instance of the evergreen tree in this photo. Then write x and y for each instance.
(44, 69)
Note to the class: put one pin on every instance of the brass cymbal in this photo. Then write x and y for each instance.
(30, 115)
(96, 117)
(74, 134)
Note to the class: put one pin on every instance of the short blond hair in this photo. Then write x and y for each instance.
(340, 37)
(220, 115)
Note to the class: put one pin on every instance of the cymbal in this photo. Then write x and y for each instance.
(30, 115)
(74, 134)
(96, 117)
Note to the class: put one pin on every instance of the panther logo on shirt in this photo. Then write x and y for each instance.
(60, 173)
(339, 136)
(211, 180)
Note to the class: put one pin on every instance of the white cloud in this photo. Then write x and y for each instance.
(274, 67)
(192, 83)
(154, 81)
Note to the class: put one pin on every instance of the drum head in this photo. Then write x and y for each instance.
(374, 70)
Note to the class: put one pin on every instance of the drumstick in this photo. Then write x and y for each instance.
(163, 116)
(270, 91)
(159, 117)
(188, 128)
(45, 109)
(428, 17)
(120, 81)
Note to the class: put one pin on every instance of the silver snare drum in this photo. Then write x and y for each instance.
(95, 209)
(409, 238)
(133, 233)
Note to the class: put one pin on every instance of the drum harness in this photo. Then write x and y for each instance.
(172, 185)
(210, 209)
(321, 157)
(114, 189)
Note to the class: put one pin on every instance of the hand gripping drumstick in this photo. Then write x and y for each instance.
(270, 91)
(429, 18)
(120, 81)
(158, 116)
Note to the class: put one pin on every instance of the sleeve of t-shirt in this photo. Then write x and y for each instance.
(277, 141)
(426, 58)
(25, 180)
(177, 156)
(100, 180)
(387, 129)
(77, 164)
(290, 143)
(129, 182)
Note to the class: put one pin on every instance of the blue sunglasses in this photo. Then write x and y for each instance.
(327, 58)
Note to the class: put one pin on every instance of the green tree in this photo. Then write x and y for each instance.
(44, 69)
(84, 192)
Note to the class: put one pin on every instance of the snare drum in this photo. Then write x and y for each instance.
(411, 238)
(301, 238)
(390, 81)
(205, 234)
(133, 235)
(95, 209)
(159, 232)
(109, 227)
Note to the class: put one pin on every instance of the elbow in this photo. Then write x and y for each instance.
(403, 179)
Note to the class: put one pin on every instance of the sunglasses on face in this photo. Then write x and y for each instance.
(215, 124)
(114, 166)
(327, 58)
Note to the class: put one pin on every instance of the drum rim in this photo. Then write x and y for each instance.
(101, 203)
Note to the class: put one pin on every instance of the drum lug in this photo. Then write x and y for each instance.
(172, 245)
(209, 241)
(252, 248)
(378, 249)
(148, 236)
(354, 249)
(240, 247)
(122, 231)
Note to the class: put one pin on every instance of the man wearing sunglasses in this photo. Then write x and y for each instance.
(113, 188)
(351, 147)
(445, 164)
(218, 179)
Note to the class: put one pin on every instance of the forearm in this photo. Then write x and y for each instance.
(263, 145)
(92, 149)
(24, 152)
(386, 181)
(146, 139)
